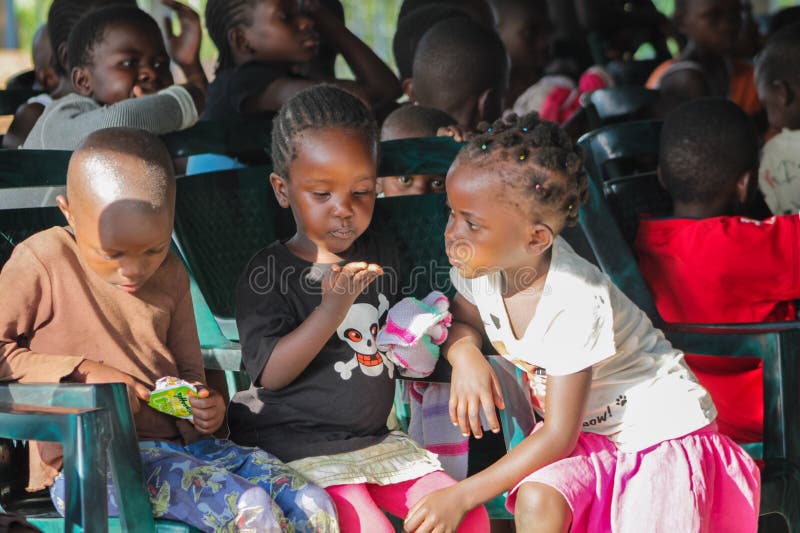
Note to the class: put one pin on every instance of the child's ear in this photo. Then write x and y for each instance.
(281, 188)
(540, 239)
(744, 186)
(82, 81)
(237, 41)
(784, 91)
(408, 89)
(63, 205)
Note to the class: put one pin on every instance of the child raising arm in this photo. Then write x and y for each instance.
(261, 41)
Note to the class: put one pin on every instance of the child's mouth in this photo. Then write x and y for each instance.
(343, 233)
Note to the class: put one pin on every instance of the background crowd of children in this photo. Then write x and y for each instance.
(104, 299)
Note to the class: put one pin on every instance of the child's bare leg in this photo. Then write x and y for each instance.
(541, 508)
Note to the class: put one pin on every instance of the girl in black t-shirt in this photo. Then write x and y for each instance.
(308, 311)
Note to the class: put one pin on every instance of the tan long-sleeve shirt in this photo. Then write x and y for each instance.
(55, 312)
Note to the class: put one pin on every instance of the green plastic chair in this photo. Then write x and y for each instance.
(621, 149)
(776, 344)
(619, 104)
(95, 425)
(246, 140)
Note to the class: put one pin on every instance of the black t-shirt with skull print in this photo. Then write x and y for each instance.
(341, 401)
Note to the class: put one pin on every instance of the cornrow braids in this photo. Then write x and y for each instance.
(318, 107)
(221, 17)
(62, 17)
(537, 157)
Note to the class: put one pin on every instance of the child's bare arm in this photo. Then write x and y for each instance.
(375, 82)
(474, 384)
(566, 400)
(184, 49)
(24, 119)
(294, 351)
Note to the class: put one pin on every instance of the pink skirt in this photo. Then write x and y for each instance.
(701, 482)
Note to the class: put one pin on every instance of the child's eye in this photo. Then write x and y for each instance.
(109, 256)
(128, 63)
(405, 180)
(363, 193)
(155, 252)
(437, 184)
(319, 194)
(472, 227)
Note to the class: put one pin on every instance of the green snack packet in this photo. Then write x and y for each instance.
(171, 396)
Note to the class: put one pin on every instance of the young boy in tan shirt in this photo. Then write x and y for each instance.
(104, 300)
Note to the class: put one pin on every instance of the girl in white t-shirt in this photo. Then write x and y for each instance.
(628, 441)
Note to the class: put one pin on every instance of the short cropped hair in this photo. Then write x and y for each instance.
(706, 145)
(417, 120)
(412, 27)
(780, 58)
(90, 30)
(457, 60)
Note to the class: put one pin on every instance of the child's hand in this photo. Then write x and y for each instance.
(208, 408)
(184, 48)
(474, 386)
(342, 285)
(94, 372)
(439, 511)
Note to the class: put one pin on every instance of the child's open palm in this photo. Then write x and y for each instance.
(183, 48)
(343, 284)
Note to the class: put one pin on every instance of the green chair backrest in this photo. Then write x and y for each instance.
(25, 168)
(620, 104)
(247, 140)
(630, 197)
(621, 149)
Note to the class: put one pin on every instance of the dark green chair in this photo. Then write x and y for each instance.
(24, 168)
(621, 149)
(776, 344)
(107, 436)
(619, 104)
(246, 140)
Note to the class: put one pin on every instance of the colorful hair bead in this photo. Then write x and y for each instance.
(483, 146)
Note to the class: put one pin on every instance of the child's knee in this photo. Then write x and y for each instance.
(536, 501)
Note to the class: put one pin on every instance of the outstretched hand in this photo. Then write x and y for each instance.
(183, 48)
(343, 284)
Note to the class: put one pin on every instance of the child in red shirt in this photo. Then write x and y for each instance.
(699, 262)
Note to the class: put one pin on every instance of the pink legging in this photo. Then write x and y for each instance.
(359, 506)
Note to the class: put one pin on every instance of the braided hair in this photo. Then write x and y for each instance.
(62, 17)
(536, 157)
(221, 17)
(318, 107)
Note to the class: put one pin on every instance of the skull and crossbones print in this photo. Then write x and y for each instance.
(359, 330)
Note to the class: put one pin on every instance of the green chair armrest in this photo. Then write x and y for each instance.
(123, 449)
(84, 434)
(777, 345)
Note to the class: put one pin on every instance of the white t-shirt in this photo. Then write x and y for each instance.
(641, 392)
(779, 173)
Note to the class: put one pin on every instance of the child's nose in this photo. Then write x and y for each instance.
(132, 270)
(343, 208)
(147, 72)
(304, 22)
